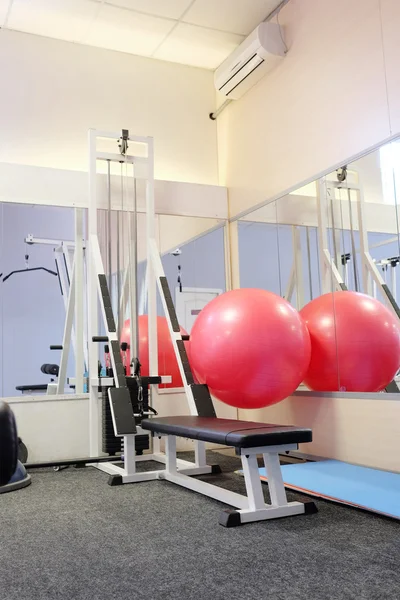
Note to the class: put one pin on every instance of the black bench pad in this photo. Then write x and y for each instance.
(240, 434)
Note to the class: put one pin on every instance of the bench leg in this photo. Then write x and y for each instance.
(170, 452)
(200, 453)
(275, 480)
(258, 510)
(127, 473)
(253, 482)
(199, 467)
(250, 508)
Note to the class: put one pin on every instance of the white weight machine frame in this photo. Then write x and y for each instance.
(332, 271)
(143, 167)
(333, 279)
(296, 277)
(71, 278)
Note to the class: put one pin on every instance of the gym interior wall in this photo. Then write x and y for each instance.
(357, 208)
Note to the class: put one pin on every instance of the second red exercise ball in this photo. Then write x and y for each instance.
(250, 347)
(355, 343)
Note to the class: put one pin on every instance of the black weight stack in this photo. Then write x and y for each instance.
(111, 444)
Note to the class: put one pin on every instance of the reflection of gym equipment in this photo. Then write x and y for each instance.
(13, 475)
(65, 272)
(45, 388)
(177, 253)
(388, 264)
(126, 397)
(334, 269)
(70, 273)
(28, 269)
(30, 240)
(296, 277)
(356, 343)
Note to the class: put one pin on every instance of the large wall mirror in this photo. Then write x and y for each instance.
(339, 233)
(37, 252)
(36, 249)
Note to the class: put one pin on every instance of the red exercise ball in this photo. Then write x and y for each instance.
(355, 343)
(250, 347)
(167, 363)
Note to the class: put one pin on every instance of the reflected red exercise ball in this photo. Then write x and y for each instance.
(250, 347)
(167, 363)
(355, 343)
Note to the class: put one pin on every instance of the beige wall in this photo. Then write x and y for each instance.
(55, 428)
(355, 430)
(324, 103)
(52, 92)
(336, 94)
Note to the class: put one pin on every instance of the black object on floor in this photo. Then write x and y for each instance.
(71, 536)
(8, 443)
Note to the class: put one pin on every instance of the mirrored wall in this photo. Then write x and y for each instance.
(31, 299)
(192, 253)
(339, 233)
(37, 250)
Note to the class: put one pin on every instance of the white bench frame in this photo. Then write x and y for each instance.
(251, 507)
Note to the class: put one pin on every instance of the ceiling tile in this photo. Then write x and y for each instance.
(4, 4)
(197, 47)
(61, 19)
(238, 16)
(172, 9)
(119, 29)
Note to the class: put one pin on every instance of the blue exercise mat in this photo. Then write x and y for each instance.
(371, 489)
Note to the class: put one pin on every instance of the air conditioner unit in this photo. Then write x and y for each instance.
(256, 56)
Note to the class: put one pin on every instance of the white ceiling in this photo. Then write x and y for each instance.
(201, 33)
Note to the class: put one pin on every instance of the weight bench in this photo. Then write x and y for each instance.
(249, 439)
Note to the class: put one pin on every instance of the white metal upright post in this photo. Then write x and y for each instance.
(330, 276)
(79, 311)
(133, 279)
(393, 281)
(364, 246)
(298, 265)
(68, 332)
(93, 318)
(151, 275)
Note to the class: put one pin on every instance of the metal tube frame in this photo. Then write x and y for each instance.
(298, 267)
(72, 280)
(330, 275)
(252, 507)
(128, 473)
(372, 279)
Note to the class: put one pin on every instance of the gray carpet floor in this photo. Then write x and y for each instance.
(70, 535)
